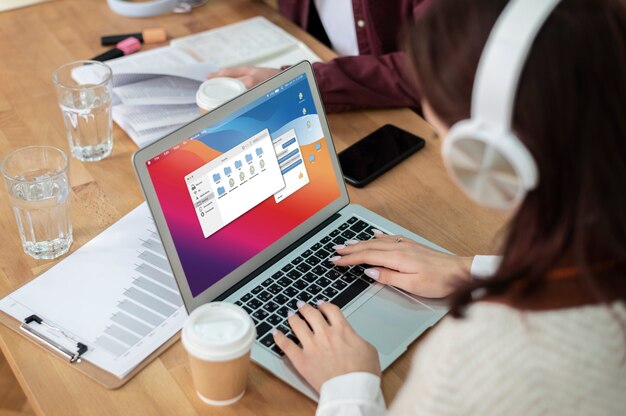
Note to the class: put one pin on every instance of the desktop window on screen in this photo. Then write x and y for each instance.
(236, 187)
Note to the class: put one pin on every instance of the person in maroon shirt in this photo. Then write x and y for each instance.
(380, 76)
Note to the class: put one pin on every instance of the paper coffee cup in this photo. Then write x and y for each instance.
(218, 337)
(215, 92)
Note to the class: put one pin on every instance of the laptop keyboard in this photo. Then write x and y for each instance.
(309, 277)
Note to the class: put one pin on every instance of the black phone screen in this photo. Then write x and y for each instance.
(376, 153)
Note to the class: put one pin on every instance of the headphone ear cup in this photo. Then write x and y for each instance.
(495, 170)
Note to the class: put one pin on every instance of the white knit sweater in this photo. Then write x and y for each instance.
(502, 361)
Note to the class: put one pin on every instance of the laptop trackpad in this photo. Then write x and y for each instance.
(388, 319)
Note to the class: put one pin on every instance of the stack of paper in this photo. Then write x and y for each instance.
(154, 91)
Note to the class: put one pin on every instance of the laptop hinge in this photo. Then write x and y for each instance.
(277, 257)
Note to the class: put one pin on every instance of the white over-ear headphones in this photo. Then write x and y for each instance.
(482, 154)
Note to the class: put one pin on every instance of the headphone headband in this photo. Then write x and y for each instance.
(483, 154)
(503, 58)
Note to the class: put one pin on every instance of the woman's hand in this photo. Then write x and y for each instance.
(249, 75)
(329, 346)
(405, 264)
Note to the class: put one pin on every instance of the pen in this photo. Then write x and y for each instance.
(153, 35)
(125, 47)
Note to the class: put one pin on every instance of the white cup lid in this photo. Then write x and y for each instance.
(218, 331)
(215, 92)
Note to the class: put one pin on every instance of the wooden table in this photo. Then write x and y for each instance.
(36, 40)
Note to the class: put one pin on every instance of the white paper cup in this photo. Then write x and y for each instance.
(218, 337)
(215, 92)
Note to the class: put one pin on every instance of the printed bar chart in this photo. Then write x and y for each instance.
(122, 310)
(147, 302)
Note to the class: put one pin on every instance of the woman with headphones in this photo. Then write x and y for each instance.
(530, 96)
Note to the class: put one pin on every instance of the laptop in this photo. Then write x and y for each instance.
(249, 200)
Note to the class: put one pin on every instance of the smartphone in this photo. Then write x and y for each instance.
(376, 153)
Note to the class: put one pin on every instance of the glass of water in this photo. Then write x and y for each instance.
(84, 95)
(38, 187)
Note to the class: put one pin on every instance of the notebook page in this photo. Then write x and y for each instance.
(144, 137)
(237, 44)
(158, 91)
(139, 66)
(290, 57)
(150, 64)
(165, 57)
(143, 119)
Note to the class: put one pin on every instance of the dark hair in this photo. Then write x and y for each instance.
(570, 112)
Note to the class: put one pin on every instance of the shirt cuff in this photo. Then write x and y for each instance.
(352, 393)
(484, 267)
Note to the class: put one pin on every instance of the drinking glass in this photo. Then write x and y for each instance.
(38, 187)
(84, 94)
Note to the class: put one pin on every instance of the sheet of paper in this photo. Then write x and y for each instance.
(145, 137)
(289, 57)
(116, 294)
(150, 64)
(165, 57)
(145, 118)
(15, 4)
(156, 91)
(156, 62)
(197, 72)
(239, 43)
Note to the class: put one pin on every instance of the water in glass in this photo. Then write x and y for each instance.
(84, 90)
(37, 183)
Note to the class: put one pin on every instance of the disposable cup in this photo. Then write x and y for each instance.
(215, 92)
(218, 338)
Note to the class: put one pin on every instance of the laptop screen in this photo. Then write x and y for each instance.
(234, 188)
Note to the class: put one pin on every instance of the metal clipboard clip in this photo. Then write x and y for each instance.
(72, 356)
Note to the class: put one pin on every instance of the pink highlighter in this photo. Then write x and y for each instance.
(125, 47)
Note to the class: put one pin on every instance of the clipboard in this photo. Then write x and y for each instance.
(92, 371)
(108, 321)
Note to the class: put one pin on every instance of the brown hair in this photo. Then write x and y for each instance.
(569, 112)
